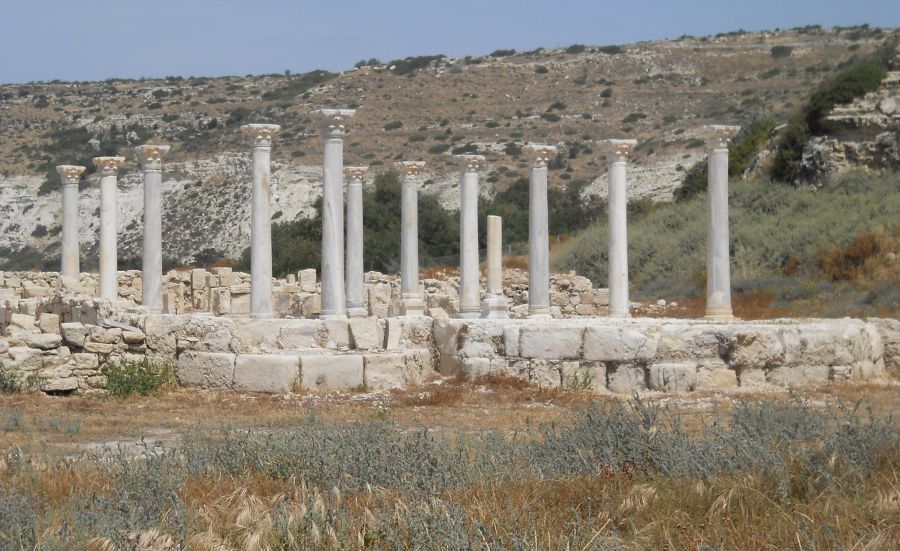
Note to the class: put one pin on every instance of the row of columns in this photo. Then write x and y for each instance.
(342, 267)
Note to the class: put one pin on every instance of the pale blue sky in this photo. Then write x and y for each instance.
(99, 39)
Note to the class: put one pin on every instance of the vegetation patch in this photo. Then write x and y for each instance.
(142, 377)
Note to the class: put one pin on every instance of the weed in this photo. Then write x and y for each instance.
(129, 377)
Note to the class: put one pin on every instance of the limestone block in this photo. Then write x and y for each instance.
(583, 375)
(98, 347)
(889, 334)
(752, 378)
(437, 312)
(551, 341)
(584, 309)
(844, 373)
(825, 345)
(331, 372)
(715, 374)
(511, 340)
(798, 376)
(269, 373)
(298, 336)
(67, 384)
(379, 295)
(756, 349)
(626, 379)
(867, 345)
(4, 346)
(261, 335)
(35, 291)
(105, 335)
(449, 365)
(394, 332)
(307, 279)
(480, 339)
(416, 331)
(384, 371)
(419, 364)
(240, 303)
(366, 333)
(22, 358)
(673, 377)
(615, 344)
(97, 381)
(133, 337)
(205, 369)
(198, 278)
(446, 335)
(22, 321)
(86, 361)
(475, 367)
(43, 341)
(49, 323)
(221, 300)
(544, 374)
(337, 333)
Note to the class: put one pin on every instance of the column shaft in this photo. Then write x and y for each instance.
(69, 249)
(538, 245)
(333, 303)
(718, 277)
(409, 247)
(494, 305)
(261, 235)
(469, 271)
(109, 288)
(355, 288)
(618, 240)
(151, 295)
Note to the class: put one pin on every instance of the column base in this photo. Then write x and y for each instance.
(356, 312)
(468, 314)
(335, 316)
(719, 314)
(542, 313)
(619, 315)
(494, 307)
(412, 306)
(261, 315)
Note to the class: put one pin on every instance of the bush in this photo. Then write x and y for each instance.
(9, 381)
(550, 117)
(633, 117)
(393, 125)
(410, 65)
(541, 70)
(611, 50)
(299, 84)
(503, 53)
(576, 49)
(780, 51)
(140, 377)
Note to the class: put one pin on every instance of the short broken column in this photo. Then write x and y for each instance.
(261, 136)
(150, 158)
(109, 169)
(355, 288)
(718, 257)
(70, 175)
(412, 300)
(538, 232)
(617, 152)
(469, 271)
(495, 304)
(332, 126)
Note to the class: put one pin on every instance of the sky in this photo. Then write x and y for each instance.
(100, 39)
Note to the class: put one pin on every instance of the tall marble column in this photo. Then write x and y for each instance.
(109, 169)
(617, 204)
(494, 305)
(333, 300)
(355, 289)
(469, 270)
(150, 158)
(538, 232)
(70, 176)
(261, 136)
(718, 272)
(412, 300)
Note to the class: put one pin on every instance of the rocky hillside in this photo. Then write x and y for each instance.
(427, 108)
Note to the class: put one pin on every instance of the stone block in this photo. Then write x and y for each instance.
(133, 337)
(307, 279)
(22, 321)
(112, 335)
(798, 376)
(583, 375)
(394, 332)
(384, 371)
(4, 346)
(475, 367)
(756, 349)
(220, 301)
(198, 278)
(22, 358)
(752, 378)
(673, 377)
(511, 340)
(419, 364)
(99, 347)
(269, 373)
(261, 335)
(49, 323)
(366, 333)
(205, 369)
(615, 344)
(240, 303)
(544, 374)
(331, 372)
(86, 361)
(551, 341)
(716, 378)
(43, 341)
(626, 379)
(337, 333)
(67, 384)
(298, 336)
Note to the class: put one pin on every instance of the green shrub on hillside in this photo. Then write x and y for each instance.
(141, 377)
(299, 84)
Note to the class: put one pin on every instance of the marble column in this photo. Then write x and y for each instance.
(261, 137)
(412, 300)
(332, 124)
(718, 272)
(70, 176)
(538, 232)
(617, 152)
(469, 269)
(150, 158)
(494, 305)
(354, 288)
(109, 169)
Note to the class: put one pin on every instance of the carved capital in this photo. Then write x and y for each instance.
(332, 121)
(261, 135)
(471, 163)
(150, 156)
(617, 150)
(540, 155)
(108, 166)
(410, 168)
(719, 136)
(69, 174)
(355, 174)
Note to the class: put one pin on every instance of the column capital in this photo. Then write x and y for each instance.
(471, 163)
(355, 173)
(540, 155)
(150, 156)
(617, 150)
(262, 135)
(108, 166)
(410, 168)
(332, 120)
(70, 174)
(718, 136)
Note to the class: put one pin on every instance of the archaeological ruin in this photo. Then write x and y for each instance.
(220, 329)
